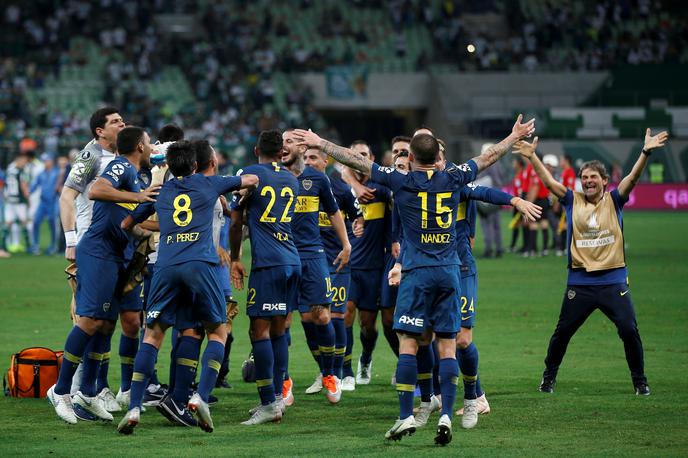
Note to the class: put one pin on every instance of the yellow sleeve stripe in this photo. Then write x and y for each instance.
(405, 387)
(128, 206)
(376, 210)
(307, 204)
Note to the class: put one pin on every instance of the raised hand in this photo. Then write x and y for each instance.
(307, 138)
(529, 210)
(525, 149)
(657, 141)
(149, 194)
(523, 130)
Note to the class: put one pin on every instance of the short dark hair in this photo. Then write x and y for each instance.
(401, 138)
(170, 133)
(128, 138)
(270, 143)
(99, 118)
(425, 148)
(181, 158)
(568, 158)
(204, 154)
(595, 165)
(359, 142)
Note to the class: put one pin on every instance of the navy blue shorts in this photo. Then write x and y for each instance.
(340, 290)
(469, 300)
(365, 288)
(388, 294)
(96, 283)
(272, 291)
(223, 274)
(429, 297)
(132, 302)
(185, 294)
(314, 287)
(147, 284)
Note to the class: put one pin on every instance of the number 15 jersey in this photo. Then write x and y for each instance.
(270, 211)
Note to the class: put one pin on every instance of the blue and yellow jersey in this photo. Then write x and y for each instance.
(314, 195)
(427, 203)
(466, 217)
(185, 211)
(368, 251)
(347, 206)
(270, 212)
(104, 238)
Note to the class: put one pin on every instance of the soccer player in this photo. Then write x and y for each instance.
(340, 276)
(101, 254)
(275, 269)
(17, 201)
(367, 264)
(429, 297)
(47, 207)
(597, 274)
(76, 210)
(315, 290)
(185, 289)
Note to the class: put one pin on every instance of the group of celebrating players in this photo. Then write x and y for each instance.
(391, 239)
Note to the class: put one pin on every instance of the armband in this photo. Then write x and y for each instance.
(70, 238)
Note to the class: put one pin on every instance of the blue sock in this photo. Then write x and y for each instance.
(127, 352)
(449, 377)
(210, 367)
(468, 362)
(478, 389)
(339, 346)
(367, 346)
(264, 360)
(436, 386)
(102, 379)
(154, 378)
(347, 371)
(280, 352)
(287, 336)
(309, 329)
(426, 363)
(75, 346)
(144, 364)
(326, 347)
(407, 372)
(93, 355)
(173, 358)
(186, 362)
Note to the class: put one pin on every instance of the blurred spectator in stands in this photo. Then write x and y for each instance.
(489, 214)
(46, 185)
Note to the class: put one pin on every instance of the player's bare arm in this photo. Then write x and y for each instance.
(496, 151)
(237, 270)
(527, 150)
(651, 142)
(364, 194)
(529, 210)
(249, 181)
(338, 153)
(102, 189)
(150, 225)
(68, 218)
(342, 258)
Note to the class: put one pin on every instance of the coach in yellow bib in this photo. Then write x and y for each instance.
(597, 276)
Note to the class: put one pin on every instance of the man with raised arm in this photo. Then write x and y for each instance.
(428, 299)
(597, 277)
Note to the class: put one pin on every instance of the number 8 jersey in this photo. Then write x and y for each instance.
(270, 210)
(185, 211)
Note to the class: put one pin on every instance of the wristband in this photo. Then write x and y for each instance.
(646, 152)
(70, 239)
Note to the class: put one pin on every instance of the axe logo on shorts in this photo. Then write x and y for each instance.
(571, 294)
(106, 307)
(153, 314)
(278, 307)
(418, 322)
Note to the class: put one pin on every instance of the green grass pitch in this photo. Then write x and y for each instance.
(592, 412)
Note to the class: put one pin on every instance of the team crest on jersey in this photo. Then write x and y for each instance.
(86, 155)
(118, 169)
(465, 167)
(106, 307)
(571, 294)
(386, 169)
(307, 184)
